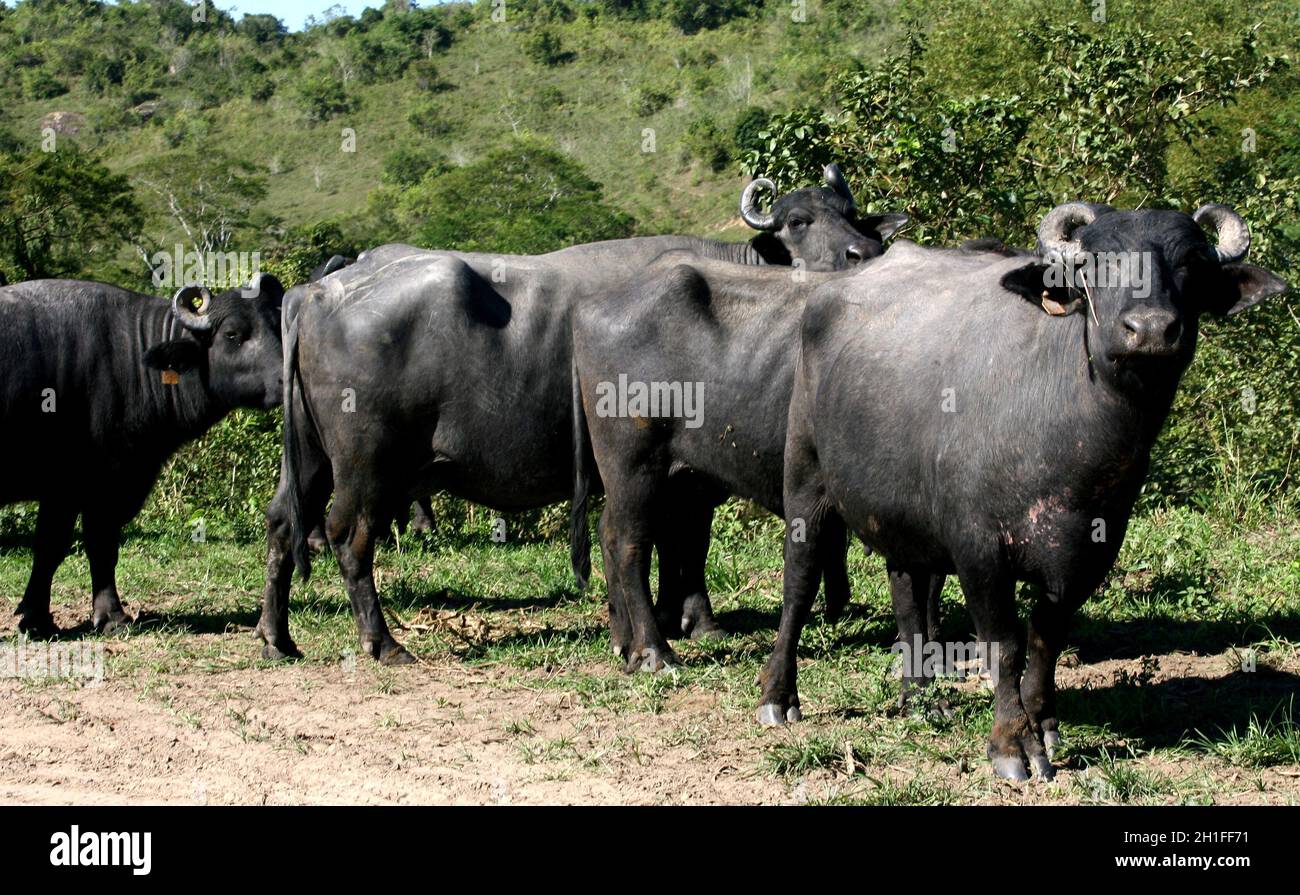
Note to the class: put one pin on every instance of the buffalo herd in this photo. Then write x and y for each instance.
(975, 411)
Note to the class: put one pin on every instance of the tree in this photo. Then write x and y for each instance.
(208, 194)
(525, 198)
(61, 212)
(321, 96)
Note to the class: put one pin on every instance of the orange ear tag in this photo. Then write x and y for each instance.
(171, 377)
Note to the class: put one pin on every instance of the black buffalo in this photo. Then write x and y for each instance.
(98, 387)
(716, 343)
(993, 417)
(460, 367)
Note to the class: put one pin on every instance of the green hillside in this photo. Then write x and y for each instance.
(616, 77)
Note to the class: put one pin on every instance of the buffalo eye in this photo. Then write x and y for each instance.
(798, 223)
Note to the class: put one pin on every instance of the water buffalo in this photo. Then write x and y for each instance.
(460, 369)
(98, 387)
(716, 342)
(993, 416)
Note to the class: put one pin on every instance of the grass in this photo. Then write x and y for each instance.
(1158, 704)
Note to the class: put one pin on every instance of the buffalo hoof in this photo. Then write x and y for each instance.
(1010, 767)
(281, 652)
(708, 629)
(387, 651)
(650, 659)
(113, 621)
(37, 625)
(1051, 742)
(771, 714)
(697, 619)
(1043, 767)
(396, 654)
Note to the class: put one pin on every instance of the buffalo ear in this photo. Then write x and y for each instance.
(885, 225)
(269, 289)
(772, 250)
(1035, 284)
(1244, 286)
(181, 355)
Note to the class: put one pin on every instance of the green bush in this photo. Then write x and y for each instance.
(543, 46)
(524, 198)
(409, 165)
(707, 142)
(693, 16)
(429, 119)
(321, 96)
(40, 84)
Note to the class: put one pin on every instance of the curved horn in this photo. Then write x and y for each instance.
(749, 207)
(1057, 226)
(190, 317)
(835, 180)
(1233, 234)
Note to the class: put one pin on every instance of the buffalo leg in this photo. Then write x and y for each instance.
(55, 522)
(273, 624)
(351, 529)
(683, 608)
(627, 539)
(835, 572)
(1048, 627)
(103, 535)
(911, 590)
(1014, 745)
(808, 520)
(620, 626)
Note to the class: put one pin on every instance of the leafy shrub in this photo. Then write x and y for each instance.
(321, 97)
(693, 16)
(746, 132)
(409, 165)
(429, 120)
(707, 142)
(647, 100)
(523, 198)
(543, 46)
(40, 84)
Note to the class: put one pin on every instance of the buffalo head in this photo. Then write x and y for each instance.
(230, 341)
(819, 225)
(1143, 278)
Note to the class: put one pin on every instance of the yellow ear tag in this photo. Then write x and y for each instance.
(1055, 308)
(171, 377)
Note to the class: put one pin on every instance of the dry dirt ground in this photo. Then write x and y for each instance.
(446, 732)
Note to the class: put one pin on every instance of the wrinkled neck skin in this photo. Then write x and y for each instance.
(173, 413)
(736, 252)
(1127, 399)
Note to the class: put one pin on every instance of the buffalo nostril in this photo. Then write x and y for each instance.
(1135, 326)
(1154, 331)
